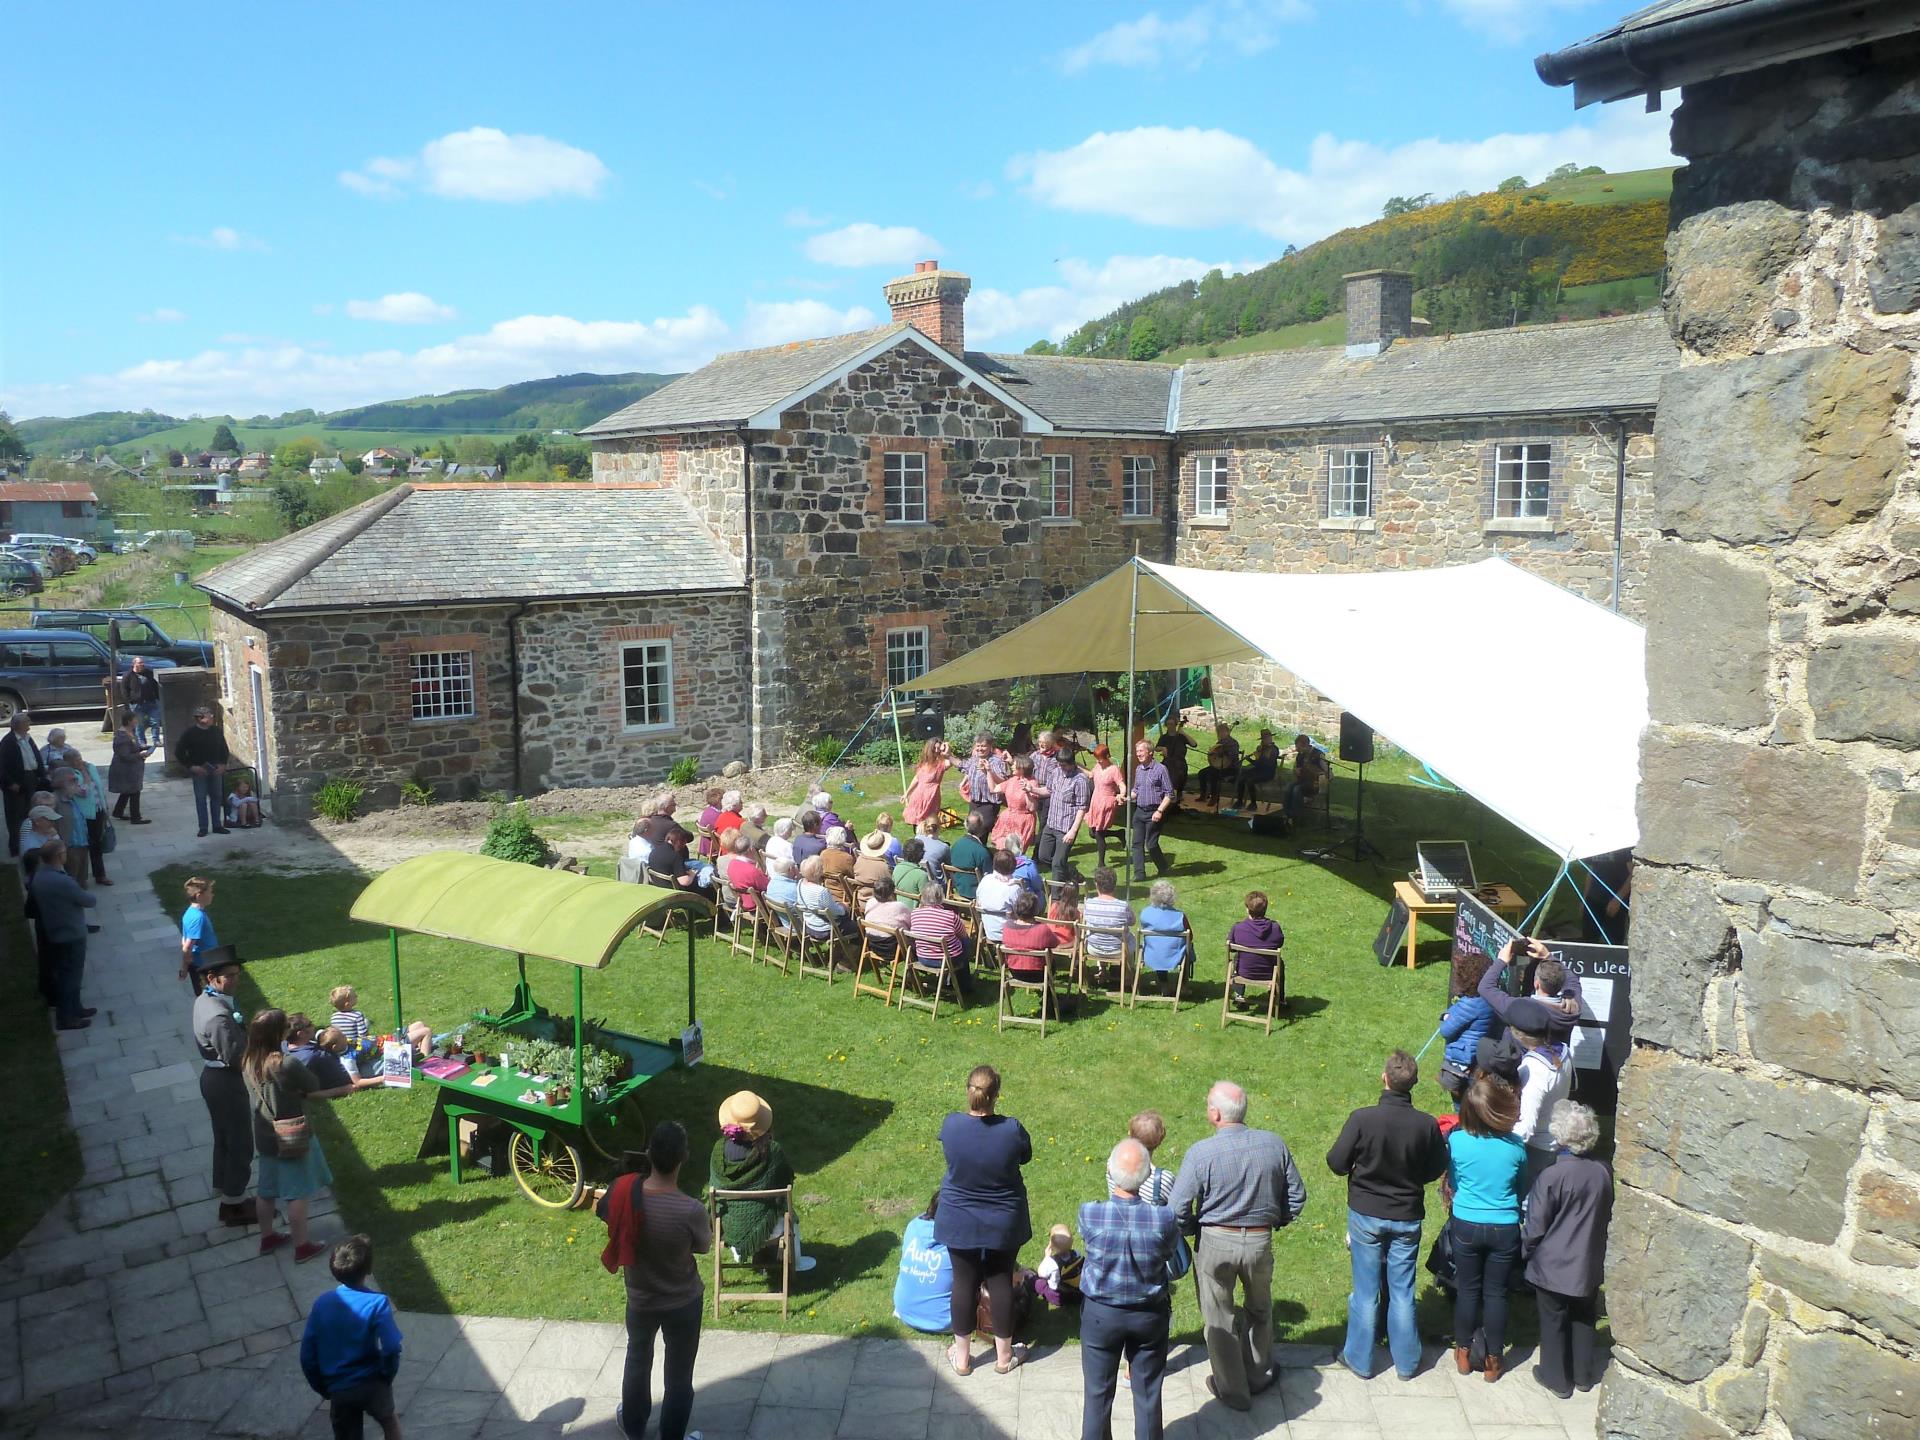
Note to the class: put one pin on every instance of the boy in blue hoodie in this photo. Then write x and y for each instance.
(351, 1349)
(1466, 1022)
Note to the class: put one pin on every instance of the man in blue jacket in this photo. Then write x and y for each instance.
(351, 1349)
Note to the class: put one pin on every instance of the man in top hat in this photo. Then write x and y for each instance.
(220, 1033)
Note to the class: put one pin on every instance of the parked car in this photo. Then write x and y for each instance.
(182, 538)
(139, 635)
(57, 558)
(56, 670)
(83, 552)
(20, 578)
(38, 563)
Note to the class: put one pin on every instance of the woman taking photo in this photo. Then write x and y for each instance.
(292, 1166)
(982, 1216)
(1485, 1162)
(656, 1235)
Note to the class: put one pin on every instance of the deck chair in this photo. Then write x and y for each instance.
(722, 1264)
(1276, 989)
(782, 929)
(1011, 982)
(1161, 945)
(952, 894)
(741, 935)
(880, 952)
(1089, 962)
(968, 909)
(921, 971)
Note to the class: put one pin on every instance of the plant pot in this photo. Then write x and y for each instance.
(598, 1094)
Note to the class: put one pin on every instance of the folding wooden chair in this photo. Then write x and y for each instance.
(952, 893)
(741, 934)
(880, 951)
(916, 975)
(706, 841)
(1276, 989)
(1090, 961)
(663, 924)
(968, 909)
(1183, 938)
(818, 953)
(1012, 981)
(782, 933)
(722, 1264)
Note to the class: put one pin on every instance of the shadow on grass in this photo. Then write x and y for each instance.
(42, 1154)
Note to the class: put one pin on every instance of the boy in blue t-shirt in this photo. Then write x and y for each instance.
(351, 1349)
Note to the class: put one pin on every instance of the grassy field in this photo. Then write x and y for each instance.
(859, 1090)
(1608, 296)
(193, 435)
(43, 1158)
(143, 578)
(1617, 189)
(1330, 331)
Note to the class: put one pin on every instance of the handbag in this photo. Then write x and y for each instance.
(109, 838)
(292, 1138)
(1180, 1263)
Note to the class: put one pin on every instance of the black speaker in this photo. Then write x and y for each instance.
(927, 725)
(1356, 740)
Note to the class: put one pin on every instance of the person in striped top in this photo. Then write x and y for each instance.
(351, 1023)
(1149, 1127)
(936, 930)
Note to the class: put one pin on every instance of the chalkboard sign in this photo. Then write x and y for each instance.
(1604, 1034)
(1393, 932)
(1477, 931)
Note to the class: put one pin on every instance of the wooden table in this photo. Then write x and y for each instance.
(1506, 903)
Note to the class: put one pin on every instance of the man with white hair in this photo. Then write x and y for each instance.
(1236, 1188)
(1127, 1295)
(780, 842)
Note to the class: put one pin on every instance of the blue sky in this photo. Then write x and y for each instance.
(251, 208)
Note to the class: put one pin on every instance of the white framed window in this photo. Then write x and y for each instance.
(903, 493)
(442, 684)
(1522, 476)
(646, 685)
(1056, 488)
(1349, 484)
(908, 654)
(1136, 487)
(1211, 494)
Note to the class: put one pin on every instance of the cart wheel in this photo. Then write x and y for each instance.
(618, 1128)
(554, 1179)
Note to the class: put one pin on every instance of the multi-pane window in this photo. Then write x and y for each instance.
(1349, 484)
(1056, 488)
(442, 685)
(1210, 492)
(907, 657)
(646, 685)
(904, 488)
(1136, 486)
(1521, 476)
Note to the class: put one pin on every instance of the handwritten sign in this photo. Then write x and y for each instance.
(1477, 931)
(396, 1064)
(693, 1045)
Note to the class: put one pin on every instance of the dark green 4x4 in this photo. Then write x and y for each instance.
(56, 670)
(138, 634)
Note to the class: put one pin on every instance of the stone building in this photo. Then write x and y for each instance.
(1761, 1274)
(482, 638)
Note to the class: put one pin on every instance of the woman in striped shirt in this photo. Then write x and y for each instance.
(937, 931)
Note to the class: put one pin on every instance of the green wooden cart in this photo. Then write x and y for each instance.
(576, 920)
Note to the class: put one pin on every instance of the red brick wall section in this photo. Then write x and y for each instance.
(939, 459)
(935, 622)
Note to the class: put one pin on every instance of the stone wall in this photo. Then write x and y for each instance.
(237, 646)
(1433, 506)
(573, 730)
(1761, 1270)
(707, 467)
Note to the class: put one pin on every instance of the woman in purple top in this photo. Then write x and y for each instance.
(1256, 932)
(982, 1217)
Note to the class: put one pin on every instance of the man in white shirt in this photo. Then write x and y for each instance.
(995, 895)
(1546, 1075)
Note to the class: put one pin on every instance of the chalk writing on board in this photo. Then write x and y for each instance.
(1477, 931)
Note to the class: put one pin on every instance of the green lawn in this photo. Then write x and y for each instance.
(1331, 330)
(1642, 292)
(1619, 189)
(42, 1154)
(143, 578)
(859, 1090)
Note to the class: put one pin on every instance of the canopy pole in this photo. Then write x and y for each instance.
(579, 1040)
(1133, 652)
(393, 957)
(899, 746)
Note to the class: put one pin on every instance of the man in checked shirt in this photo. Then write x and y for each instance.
(1126, 1295)
(1236, 1188)
(985, 768)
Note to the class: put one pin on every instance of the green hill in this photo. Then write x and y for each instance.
(562, 402)
(1570, 249)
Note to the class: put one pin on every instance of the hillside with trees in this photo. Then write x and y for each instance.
(1520, 253)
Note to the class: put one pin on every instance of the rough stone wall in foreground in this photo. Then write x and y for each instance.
(1761, 1276)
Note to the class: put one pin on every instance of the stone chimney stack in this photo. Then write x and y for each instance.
(1379, 310)
(934, 302)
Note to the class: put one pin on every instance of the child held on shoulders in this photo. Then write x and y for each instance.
(350, 1351)
(357, 1029)
(1057, 1281)
(243, 806)
(1150, 1129)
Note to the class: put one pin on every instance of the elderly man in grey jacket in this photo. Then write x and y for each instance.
(60, 910)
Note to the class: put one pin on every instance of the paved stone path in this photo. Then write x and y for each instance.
(128, 1312)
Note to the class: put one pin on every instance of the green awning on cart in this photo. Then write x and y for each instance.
(576, 919)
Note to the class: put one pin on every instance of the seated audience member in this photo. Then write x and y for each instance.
(1260, 768)
(1024, 930)
(1463, 1025)
(783, 884)
(729, 817)
(825, 915)
(822, 803)
(937, 931)
(1027, 873)
(995, 895)
(1109, 912)
(923, 1289)
(744, 874)
(910, 874)
(872, 866)
(969, 859)
(885, 907)
(1163, 937)
(1309, 775)
(779, 844)
(933, 849)
(810, 841)
(1063, 911)
(670, 862)
(1223, 764)
(661, 826)
(753, 824)
(1546, 1076)
(1552, 985)
(1257, 932)
(1565, 1242)
(837, 860)
(883, 824)
(303, 1044)
(1149, 1127)
(708, 823)
(747, 1157)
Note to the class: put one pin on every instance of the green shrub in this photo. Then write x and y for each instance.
(823, 751)
(886, 751)
(511, 836)
(962, 728)
(339, 800)
(416, 792)
(685, 771)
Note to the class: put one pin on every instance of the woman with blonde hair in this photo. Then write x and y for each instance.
(922, 800)
(982, 1217)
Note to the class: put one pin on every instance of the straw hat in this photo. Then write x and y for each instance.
(874, 843)
(748, 1111)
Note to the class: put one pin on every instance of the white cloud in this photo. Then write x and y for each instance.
(1244, 26)
(864, 243)
(275, 376)
(408, 307)
(162, 315)
(1084, 292)
(1201, 179)
(223, 237)
(801, 218)
(1507, 20)
(484, 164)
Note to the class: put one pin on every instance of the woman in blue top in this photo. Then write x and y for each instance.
(196, 926)
(923, 1290)
(1485, 1163)
(1163, 937)
(982, 1216)
(1465, 1021)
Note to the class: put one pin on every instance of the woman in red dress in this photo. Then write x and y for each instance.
(1109, 790)
(1017, 793)
(922, 800)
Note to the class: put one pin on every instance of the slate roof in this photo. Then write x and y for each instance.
(426, 544)
(1592, 365)
(1124, 396)
(732, 387)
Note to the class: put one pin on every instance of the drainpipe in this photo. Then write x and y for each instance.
(1619, 501)
(513, 688)
(755, 754)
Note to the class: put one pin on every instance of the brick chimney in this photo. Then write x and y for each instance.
(934, 302)
(1379, 310)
